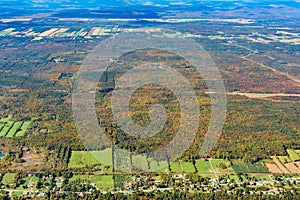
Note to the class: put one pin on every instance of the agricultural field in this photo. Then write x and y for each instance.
(5, 129)
(188, 167)
(159, 166)
(277, 165)
(8, 178)
(266, 177)
(79, 178)
(140, 162)
(284, 159)
(273, 168)
(17, 193)
(23, 129)
(234, 177)
(29, 180)
(241, 166)
(7, 31)
(294, 156)
(13, 129)
(222, 166)
(100, 181)
(285, 164)
(104, 157)
(280, 165)
(203, 167)
(293, 168)
(103, 182)
(176, 167)
(80, 159)
(106, 170)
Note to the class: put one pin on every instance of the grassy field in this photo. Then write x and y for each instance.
(7, 31)
(234, 177)
(25, 182)
(81, 159)
(80, 178)
(159, 166)
(1, 126)
(6, 128)
(79, 32)
(203, 167)
(8, 178)
(140, 162)
(24, 127)
(222, 166)
(263, 177)
(188, 167)
(104, 156)
(34, 179)
(240, 166)
(17, 193)
(14, 129)
(176, 167)
(104, 182)
(284, 159)
(297, 151)
(27, 179)
(100, 181)
(106, 170)
(293, 155)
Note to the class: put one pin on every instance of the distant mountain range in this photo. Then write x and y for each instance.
(12, 8)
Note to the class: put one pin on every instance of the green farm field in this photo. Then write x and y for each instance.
(79, 178)
(14, 129)
(188, 167)
(203, 167)
(240, 166)
(8, 178)
(222, 166)
(23, 129)
(6, 127)
(294, 156)
(284, 159)
(80, 159)
(11, 129)
(104, 182)
(100, 181)
(176, 167)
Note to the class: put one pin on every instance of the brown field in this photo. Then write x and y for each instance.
(95, 31)
(280, 165)
(48, 32)
(273, 168)
(292, 168)
(298, 164)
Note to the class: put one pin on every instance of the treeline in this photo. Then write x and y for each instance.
(159, 196)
